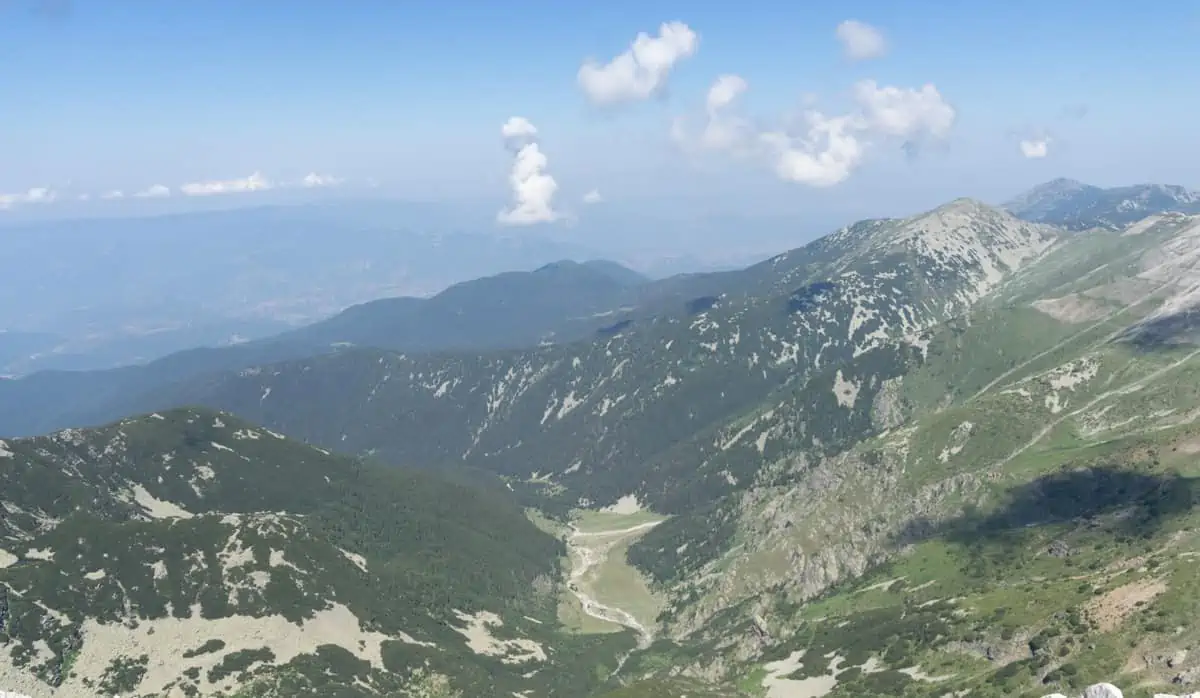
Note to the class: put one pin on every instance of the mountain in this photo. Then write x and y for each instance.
(1077, 206)
(560, 301)
(949, 454)
(746, 356)
(1023, 506)
(510, 309)
(191, 553)
(962, 436)
(124, 290)
(15, 346)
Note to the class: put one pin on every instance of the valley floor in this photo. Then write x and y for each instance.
(606, 587)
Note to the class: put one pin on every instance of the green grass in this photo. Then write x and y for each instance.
(592, 521)
(617, 583)
(574, 620)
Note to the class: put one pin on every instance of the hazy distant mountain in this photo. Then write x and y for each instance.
(559, 302)
(133, 289)
(1078, 206)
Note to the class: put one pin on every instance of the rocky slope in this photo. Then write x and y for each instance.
(1022, 509)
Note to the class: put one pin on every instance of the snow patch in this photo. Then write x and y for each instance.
(845, 391)
(627, 504)
(156, 508)
(165, 640)
(481, 641)
(359, 561)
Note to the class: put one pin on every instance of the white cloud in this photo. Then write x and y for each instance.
(860, 41)
(156, 191)
(35, 195)
(903, 112)
(532, 189)
(723, 130)
(313, 180)
(826, 150)
(518, 132)
(519, 129)
(724, 90)
(643, 69)
(1035, 148)
(593, 197)
(113, 194)
(255, 182)
(827, 154)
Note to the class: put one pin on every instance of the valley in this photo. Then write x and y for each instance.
(953, 453)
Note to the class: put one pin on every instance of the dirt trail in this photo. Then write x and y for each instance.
(1127, 388)
(1076, 335)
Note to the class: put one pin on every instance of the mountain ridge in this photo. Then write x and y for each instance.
(1078, 206)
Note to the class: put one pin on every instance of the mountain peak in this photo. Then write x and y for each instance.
(963, 204)
(1061, 184)
(1077, 206)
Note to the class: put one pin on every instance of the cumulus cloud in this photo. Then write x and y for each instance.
(642, 70)
(313, 180)
(1035, 148)
(822, 150)
(834, 147)
(518, 132)
(860, 41)
(593, 197)
(35, 195)
(904, 112)
(724, 129)
(825, 155)
(113, 194)
(255, 182)
(532, 189)
(156, 191)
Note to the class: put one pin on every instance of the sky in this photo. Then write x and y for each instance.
(544, 111)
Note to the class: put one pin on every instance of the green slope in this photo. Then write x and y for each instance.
(191, 549)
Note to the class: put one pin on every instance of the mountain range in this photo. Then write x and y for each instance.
(946, 454)
(1077, 206)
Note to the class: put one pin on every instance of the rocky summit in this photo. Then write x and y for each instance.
(951, 454)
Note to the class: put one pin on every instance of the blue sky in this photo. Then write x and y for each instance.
(124, 94)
